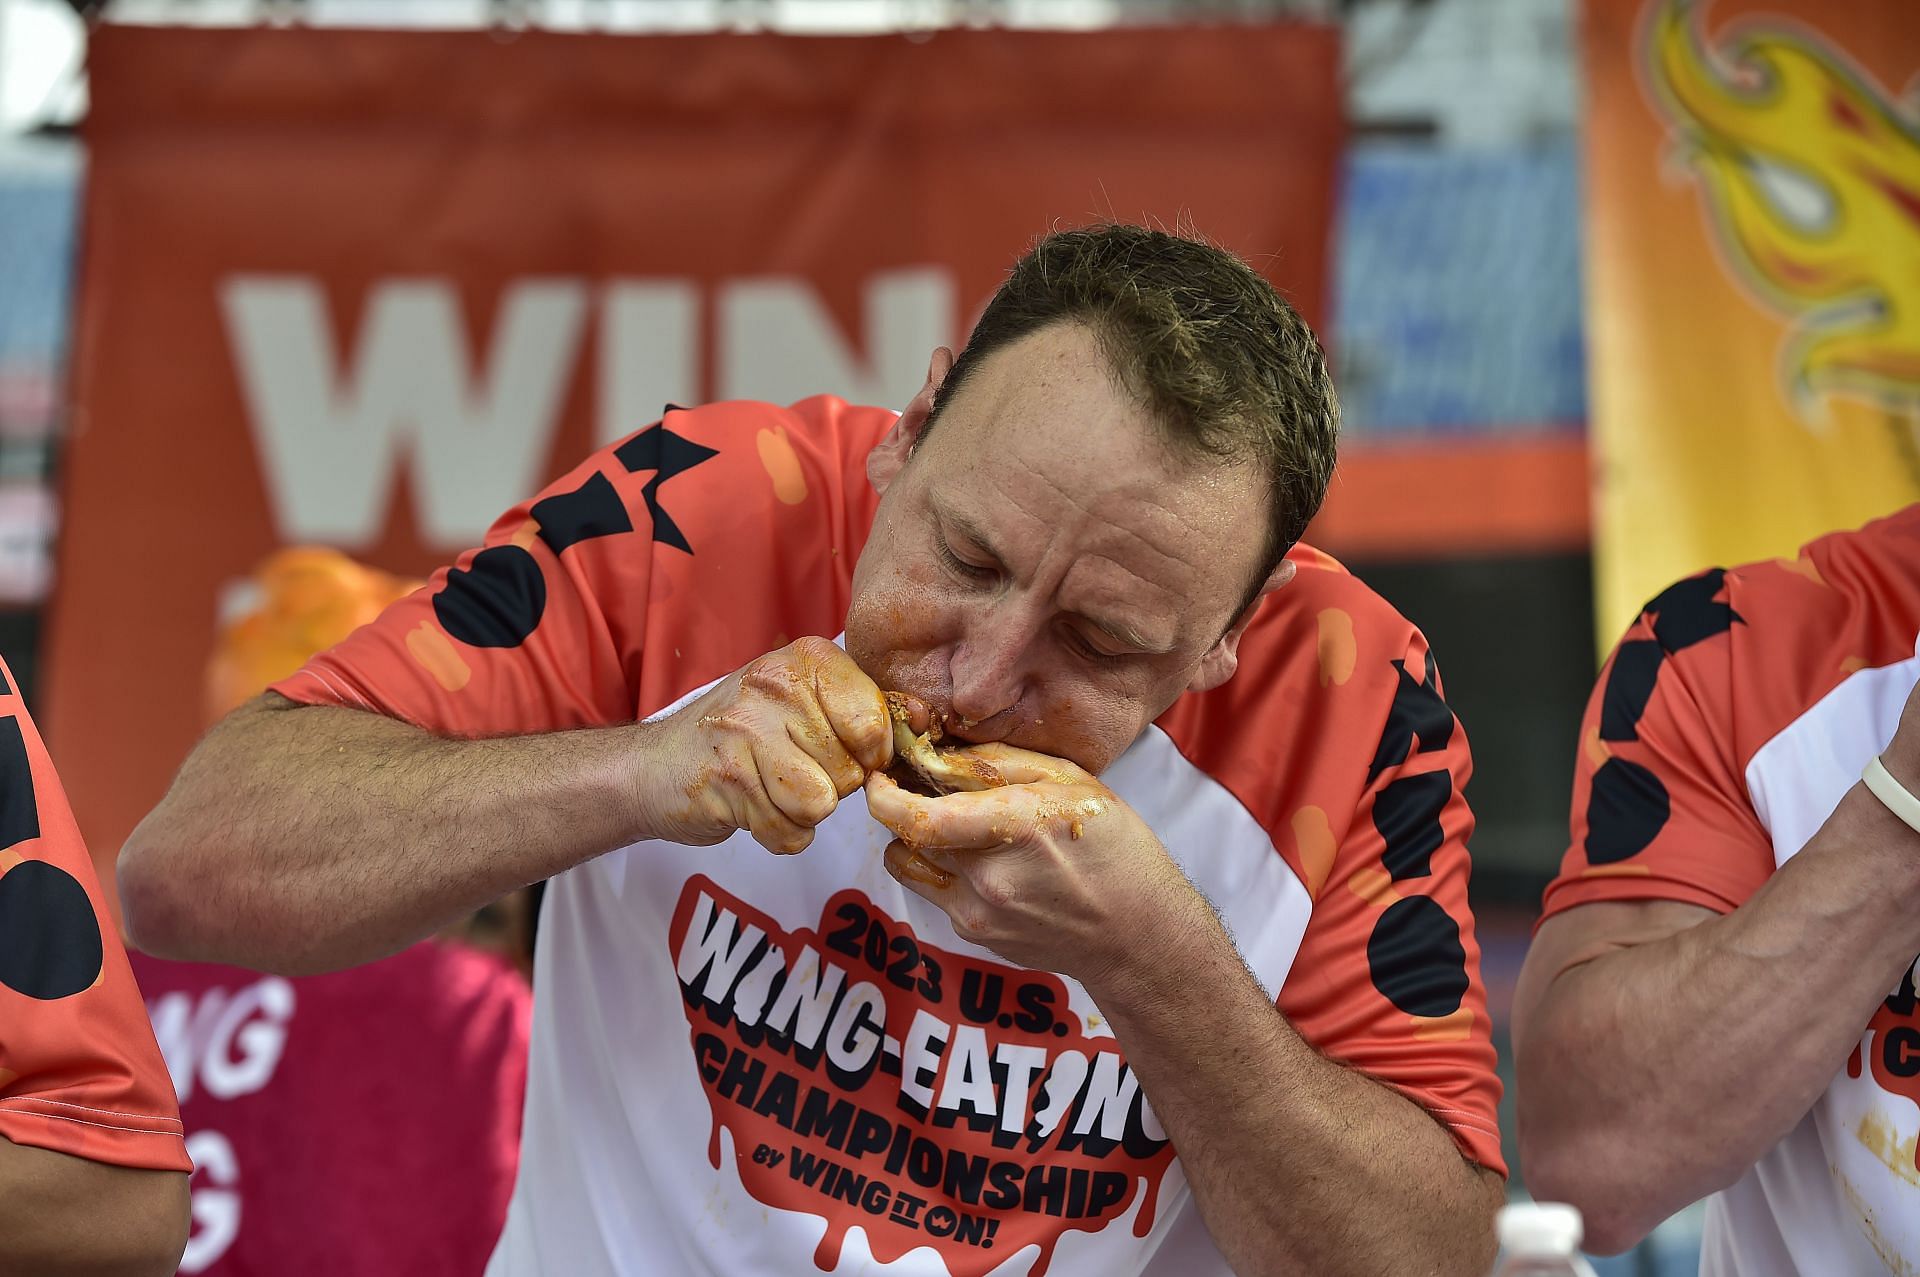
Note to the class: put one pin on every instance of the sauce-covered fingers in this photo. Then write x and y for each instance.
(913, 867)
(854, 709)
(817, 741)
(794, 783)
(973, 821)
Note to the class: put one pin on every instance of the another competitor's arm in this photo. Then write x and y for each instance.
(1662, 1048)
(306, 838)
(63, 1216)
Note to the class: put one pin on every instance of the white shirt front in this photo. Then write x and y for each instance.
(746, 1063)
(1841, 1192)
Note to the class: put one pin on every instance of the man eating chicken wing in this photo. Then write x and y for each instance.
(1192, 988)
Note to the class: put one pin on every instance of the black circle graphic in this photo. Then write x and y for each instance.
(49, 939)
(1417, 960)
(1627, 810)
(496, 601)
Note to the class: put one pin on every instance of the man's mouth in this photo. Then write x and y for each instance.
(921, 767)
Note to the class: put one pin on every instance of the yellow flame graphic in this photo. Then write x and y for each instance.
(1811, 173)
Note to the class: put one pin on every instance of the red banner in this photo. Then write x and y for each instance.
(368, 289)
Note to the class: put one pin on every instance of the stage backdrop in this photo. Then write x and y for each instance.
(1754, 271)
(369, 289)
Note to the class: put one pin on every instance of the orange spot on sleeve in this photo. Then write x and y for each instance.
(1803, 567)
(782, 465)
(8, 860)
(435, 653)
(1373, 885)
(1454, 1027)
(1313, 834)
(527, 533)
(1853, 665)
(1339, 650)
(1615, 871)
(1597, 750)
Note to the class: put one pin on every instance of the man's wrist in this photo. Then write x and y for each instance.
(632, 775)
(1167, 951)
(1893, 795)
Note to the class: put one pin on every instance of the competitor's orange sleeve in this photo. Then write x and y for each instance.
(1660, 803)
(80, 1072)
(1387, 979)
(539, 629)
(657, 565)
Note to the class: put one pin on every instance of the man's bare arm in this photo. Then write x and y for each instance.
(1297, 1163)
(304, 838)
(63, 1216)
(301, 839)
(1637, 1025)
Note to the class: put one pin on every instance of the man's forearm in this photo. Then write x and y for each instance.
(303, 839)
(1637, 1078)
(1294, 1160)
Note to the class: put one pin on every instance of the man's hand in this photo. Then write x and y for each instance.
(1051, 871)
(771, 749)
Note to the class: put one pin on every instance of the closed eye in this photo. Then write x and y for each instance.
(962, 567)
(1091, 650)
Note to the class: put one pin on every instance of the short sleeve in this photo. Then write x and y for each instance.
(654, 567)
(80, 1072)
(1660, 806)
(1387, 979)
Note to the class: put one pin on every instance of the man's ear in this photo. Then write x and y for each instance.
(891, 453)
(1223, 658)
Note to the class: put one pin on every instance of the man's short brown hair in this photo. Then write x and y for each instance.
(1228, 368)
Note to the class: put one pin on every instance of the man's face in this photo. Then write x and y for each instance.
(1043, 569)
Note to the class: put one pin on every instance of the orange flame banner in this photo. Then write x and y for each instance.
(1754, 255)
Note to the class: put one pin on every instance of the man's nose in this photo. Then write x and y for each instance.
(986, 666)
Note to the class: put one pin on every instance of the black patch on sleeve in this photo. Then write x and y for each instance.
(666, 454)
(19, 809)
(50, 943)
(1685, 612)
(1417, 713)
(497, 601)
(1626, 810)
(1416, 958)
(591, 510)
(1407, 814)
(1636, 667)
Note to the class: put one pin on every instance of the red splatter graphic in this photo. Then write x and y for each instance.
(926, 1097)
(1892, 1049)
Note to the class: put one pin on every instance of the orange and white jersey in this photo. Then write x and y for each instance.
(80, 1072)
(1727, 725)
(752, 1063)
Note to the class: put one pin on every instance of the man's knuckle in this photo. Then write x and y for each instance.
(813, 647)
(994, 890)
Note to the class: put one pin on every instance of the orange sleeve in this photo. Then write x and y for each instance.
(1660, 804)
(655, 566)
(538, 629)
(80, 1072)
(1387, 979)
